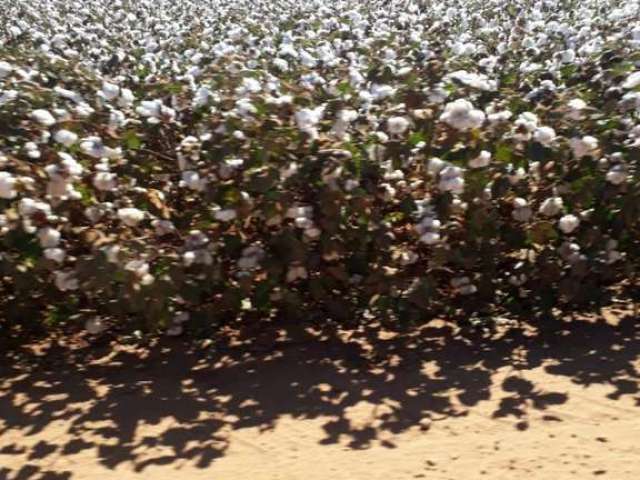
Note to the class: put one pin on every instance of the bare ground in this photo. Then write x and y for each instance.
(433, 403)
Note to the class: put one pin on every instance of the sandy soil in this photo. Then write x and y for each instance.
(433, 404)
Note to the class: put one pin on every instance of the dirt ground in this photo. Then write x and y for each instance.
(435, 403)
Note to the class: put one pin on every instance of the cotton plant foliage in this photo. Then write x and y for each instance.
(178, 163)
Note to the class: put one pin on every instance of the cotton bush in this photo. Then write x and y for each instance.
(179, 163)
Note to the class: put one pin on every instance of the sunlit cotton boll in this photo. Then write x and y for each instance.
(451, 180)
(43, 117)
(225, 215)
(48, 237)
(568, 223)
(632, 81)
(544, 135)
(55, 254)
(461, 115)
(130, 216)
(617, 175)
(105, 181)
(482, 160)
(397, 125)
(521, 210)
(551, 206)
(584, 146)
(65, 281)
(65, 137)
(7, 185)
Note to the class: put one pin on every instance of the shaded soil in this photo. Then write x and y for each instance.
(291, 403)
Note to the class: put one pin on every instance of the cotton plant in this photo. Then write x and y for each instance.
(378, 156)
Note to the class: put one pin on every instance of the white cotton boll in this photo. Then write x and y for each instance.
(544, 135)
(55, 254)
(126, 98)
(5, 69)
(43, 117)
(303, 222)
(163, 227)
(188, 258)
(8, 96)
(451, 180)
(130, 216)
(32, 150)
(110, 90)
(7, 185)
(105, 181)
(461, 115)
(576, 108)
(65, 137)
(517, 176)
(49, 237)
(430, 238)
(192, 180)
(583, 146)
(617, 175)
(632, 81)
(552, 206)
(95, 326)
(225, 215)
(175, 331)
(65, 281)
(397, 125)
(482, 160)
(568, 223)
(435, 165)
(281, 64)
(522, 212)
(313, 233)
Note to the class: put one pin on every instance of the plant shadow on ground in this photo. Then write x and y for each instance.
(253, 378)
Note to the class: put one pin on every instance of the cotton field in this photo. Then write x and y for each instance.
(171, 164)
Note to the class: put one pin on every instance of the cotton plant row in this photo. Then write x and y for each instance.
(173, 161)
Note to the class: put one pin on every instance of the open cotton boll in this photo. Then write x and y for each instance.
(65, 137)
(551, 206)
(482, 160)
(130, 216)
(544, 135)
(43, 117)
(461, 115)
(105, 181)
(568, 223)
(49, 237)
(584, 146)
(56, 254)
(7, 186)
(632, 81)
(397, 125)
(225, 215)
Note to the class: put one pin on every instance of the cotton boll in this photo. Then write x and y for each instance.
(130, 216)
(65, 281)
(482, 160)
(49, 237)
(568, 223)
(397, 125)
(617, 175)
(55, 254)
(43, 117)
(65, 137)
(105, 181)
(551, 206)
(225, 215)
(461, 115)
(584, 146)
(7, 185)
(544, 135)
(632, 81)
